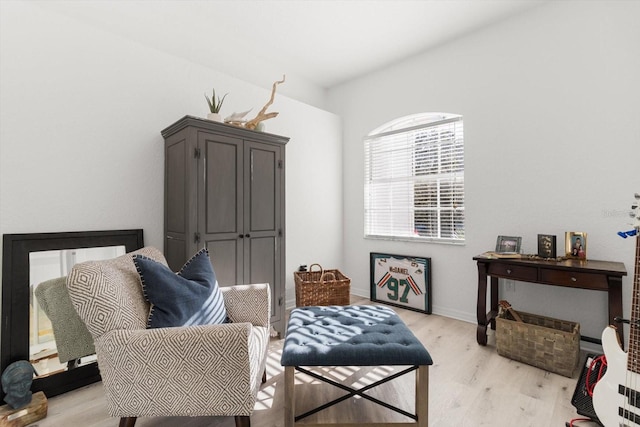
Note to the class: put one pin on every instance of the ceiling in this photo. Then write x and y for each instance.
(324, 42)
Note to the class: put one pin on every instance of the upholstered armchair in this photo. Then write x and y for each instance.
(205, 370)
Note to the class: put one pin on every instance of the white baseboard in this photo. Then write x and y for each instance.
(454, 314)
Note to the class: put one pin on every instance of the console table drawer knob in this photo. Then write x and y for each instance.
(508, 271)
(573, 279)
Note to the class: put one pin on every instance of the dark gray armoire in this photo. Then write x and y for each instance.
(224, 191)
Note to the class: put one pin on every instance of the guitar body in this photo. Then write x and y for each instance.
(616, 396)
(607, 399)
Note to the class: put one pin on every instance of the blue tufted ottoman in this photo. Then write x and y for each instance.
(362, 335)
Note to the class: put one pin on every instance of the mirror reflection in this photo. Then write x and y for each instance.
(58, 339)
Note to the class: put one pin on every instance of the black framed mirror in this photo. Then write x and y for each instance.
(17, 298)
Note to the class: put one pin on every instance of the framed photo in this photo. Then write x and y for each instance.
(575, 244)
(508, 244)
(547, 246)
(403, 281)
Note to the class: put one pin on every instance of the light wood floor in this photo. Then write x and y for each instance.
(469, 385)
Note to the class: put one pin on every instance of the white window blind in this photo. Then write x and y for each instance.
(414, 179)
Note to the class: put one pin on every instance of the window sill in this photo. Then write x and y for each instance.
(455, 242)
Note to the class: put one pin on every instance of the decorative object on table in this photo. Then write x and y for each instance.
(547, 246)
(262, 114)
(537, 257)
(321, 287)
(403, 281)
(237, 119)
(615, 395)
(508, 255)
(544, 342)
(16, 383)
(575, 244)
(215, 103)
(27, 415)
(501, 255)
(508, 244)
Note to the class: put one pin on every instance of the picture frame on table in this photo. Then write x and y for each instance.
(508, 244)
(575, 244)
(547, 246)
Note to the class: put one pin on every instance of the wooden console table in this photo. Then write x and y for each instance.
(572, 273)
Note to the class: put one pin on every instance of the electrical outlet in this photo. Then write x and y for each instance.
(510, 285)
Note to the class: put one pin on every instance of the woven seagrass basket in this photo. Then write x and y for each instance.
(321, 287)
(544, 342)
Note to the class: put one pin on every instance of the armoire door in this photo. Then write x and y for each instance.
(221, 209)
(180, 194)
(263, 217)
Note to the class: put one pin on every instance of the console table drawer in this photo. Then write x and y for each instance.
(581, 280)
(516, 272)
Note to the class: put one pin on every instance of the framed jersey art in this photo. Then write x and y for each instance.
(403, 281)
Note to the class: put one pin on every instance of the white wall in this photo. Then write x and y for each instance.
(552, 142)
(80, 147)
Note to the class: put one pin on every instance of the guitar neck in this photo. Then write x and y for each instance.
(633, 364)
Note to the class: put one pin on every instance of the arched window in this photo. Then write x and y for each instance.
(414, 179)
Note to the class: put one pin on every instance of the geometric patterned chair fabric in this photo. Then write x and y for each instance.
(208, 370)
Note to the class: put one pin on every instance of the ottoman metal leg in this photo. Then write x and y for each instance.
(289, 396)
(421, 416)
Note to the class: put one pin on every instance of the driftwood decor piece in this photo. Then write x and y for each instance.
(262, 114)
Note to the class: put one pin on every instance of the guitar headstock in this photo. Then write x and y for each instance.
(634, 213)
(504, 304)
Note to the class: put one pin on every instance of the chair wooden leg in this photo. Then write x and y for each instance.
(128, 421)
(243, 421)
(264, 376)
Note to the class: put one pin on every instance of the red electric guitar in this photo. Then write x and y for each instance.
(616, 397)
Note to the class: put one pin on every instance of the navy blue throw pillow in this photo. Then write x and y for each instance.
(190, 297)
